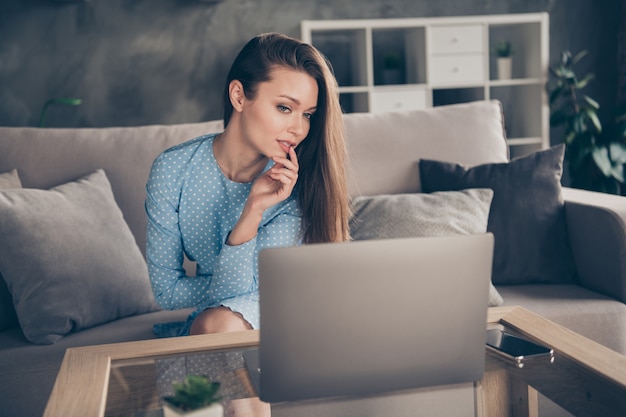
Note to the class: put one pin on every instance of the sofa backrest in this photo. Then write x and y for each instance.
(384, 150)
(48, 157)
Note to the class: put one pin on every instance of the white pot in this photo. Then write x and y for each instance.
(505, 68)
(215, 410)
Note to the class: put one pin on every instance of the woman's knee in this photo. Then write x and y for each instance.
(218, 320)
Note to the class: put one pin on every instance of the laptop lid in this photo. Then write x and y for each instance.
(367, 317)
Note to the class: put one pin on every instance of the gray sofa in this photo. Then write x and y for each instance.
(384, 152)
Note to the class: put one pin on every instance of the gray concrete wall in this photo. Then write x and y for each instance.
(164, 61)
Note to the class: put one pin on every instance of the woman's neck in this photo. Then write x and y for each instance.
(238, 162)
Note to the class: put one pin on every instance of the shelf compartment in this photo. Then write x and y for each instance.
(354, 102)
(517, 150)
(525, 39)
(522, 116)
(399, 56)
(346, 49)
(445, 96)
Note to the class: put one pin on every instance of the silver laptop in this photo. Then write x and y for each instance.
(368, 317)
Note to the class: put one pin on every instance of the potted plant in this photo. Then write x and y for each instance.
(196, 396)
(504, 59)
(392, 68)
(595, 156)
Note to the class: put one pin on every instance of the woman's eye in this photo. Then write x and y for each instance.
(308, 116)
(283, 109)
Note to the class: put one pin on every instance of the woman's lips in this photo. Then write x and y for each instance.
(285, 145)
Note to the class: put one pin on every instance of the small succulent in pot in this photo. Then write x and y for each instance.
(503, 49)
(195, 393)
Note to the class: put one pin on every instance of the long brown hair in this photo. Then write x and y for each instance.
(322, 189)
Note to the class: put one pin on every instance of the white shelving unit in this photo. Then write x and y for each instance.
(401, 64)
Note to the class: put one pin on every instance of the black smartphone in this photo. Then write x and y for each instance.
(516, 349)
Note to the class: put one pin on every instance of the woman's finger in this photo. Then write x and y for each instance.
(291, 162)
(284, 175)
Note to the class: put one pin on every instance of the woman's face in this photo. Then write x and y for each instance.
(280, 114)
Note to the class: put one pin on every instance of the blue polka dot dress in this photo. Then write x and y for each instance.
(192, 207)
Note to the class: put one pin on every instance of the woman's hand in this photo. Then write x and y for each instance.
(274, 186)
(277, 183)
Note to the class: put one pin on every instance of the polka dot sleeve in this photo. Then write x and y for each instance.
(164, 251)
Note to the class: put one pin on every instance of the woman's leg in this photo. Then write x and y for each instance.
(221, 320)
(218, 320)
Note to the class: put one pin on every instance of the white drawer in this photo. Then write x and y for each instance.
(456, 39)
(455, 69)
(398, 100)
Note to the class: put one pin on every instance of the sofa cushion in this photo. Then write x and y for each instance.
(69, 259)
(595, 316)
(527, 215)
(413, 215)
(8, 318)
(384, 148)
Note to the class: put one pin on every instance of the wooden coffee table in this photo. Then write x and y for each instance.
(122, 379)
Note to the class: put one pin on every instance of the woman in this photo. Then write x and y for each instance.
(274, 177)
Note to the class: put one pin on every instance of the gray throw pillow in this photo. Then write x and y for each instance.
(69, 258)
(414, 215)
(8, 318)
(527, 215)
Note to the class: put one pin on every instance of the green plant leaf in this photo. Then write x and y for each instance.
(578, 57)
(568, 74)
(618, 152)
(71, 101)
(196, 391)
(578, 124)
(618, 172)
(580, 84)
(591, 102)
(593, 116)
(601, 158)
(566, 58)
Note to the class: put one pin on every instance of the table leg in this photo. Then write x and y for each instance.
(499, 394)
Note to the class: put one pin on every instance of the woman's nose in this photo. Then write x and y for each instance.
(297, 126)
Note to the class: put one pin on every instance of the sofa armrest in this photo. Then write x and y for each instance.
(596, 223)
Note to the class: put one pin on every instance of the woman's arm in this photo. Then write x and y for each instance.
(171, 286)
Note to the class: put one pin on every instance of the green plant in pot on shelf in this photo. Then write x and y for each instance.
(504, 60)
(392, 68)
(503, 49)
(195, 396)
(595, 156)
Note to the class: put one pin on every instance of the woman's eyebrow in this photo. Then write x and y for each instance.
(295, 101)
